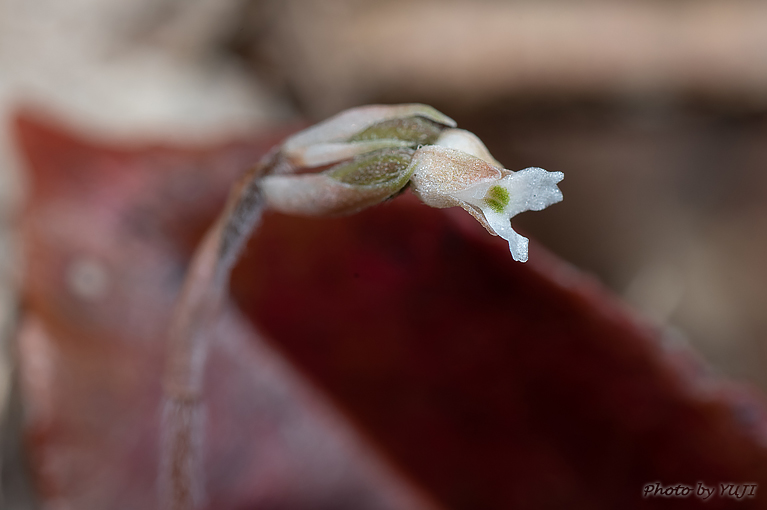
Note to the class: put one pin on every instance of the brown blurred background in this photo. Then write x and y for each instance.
(655, 111)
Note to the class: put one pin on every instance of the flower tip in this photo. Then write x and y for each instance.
(539, 186)
(518, 246)
(556, 178)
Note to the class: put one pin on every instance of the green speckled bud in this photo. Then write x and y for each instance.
(365, 129)
(384, 167)
(415, 130)
(346, 188)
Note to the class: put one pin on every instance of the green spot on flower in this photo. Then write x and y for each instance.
(497, 198)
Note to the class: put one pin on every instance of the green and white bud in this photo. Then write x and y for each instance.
(364, 129)
(345, 188)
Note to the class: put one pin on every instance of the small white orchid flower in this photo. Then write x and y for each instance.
(531, 189)
(377, 150)
(447, 177)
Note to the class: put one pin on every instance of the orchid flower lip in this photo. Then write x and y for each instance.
(531, 189)
(459, 171)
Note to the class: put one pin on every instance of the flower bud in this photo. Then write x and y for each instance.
(365, 129)
(343, 189)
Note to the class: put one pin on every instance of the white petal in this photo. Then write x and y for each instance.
(502, 226)
(532, 189)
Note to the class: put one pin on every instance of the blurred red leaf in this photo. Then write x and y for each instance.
(485, 383)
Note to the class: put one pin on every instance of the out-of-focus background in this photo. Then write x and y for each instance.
(655, 111)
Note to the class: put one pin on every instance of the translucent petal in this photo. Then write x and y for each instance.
(532, 189)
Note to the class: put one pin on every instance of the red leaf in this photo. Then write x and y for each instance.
(486, 383)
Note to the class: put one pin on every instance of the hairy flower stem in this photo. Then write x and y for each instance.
(181, 474)
(376, 151)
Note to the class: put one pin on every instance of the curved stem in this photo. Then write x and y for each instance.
(181, 472)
